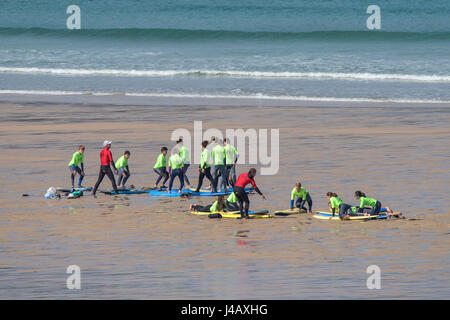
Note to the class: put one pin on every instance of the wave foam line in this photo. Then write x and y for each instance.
(229, 73)
(211, 96)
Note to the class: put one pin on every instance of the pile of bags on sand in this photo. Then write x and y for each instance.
(52, 193)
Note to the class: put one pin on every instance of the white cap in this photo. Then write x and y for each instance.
(106, 142)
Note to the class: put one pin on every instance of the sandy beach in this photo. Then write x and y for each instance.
(140, 247)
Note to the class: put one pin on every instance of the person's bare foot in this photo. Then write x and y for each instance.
(346, 218)
(366, 214)
(190, 207)
(389, 210)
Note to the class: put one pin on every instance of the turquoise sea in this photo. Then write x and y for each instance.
(297, 49)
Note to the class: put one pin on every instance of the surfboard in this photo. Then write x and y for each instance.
(251, 215)
(258, 212)
(202, 193)
(327, 215)
(173, 193)
(153, 188)
(288, 212)
(208, 193)
(124, 191)
(228, 190)
(163, 193)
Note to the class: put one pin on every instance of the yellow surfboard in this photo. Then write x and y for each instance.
(237, 213)
(251, 216)
(328, 216)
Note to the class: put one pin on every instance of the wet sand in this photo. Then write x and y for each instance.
(151, 248)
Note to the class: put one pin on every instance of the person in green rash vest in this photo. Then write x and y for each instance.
(75, 164)
(218, 155)
(336, 204)
(217, 206)
(123, 169)
(231, 158)
(160, 168)
(366, 201)
(302, 196)
(184, 154)
(176, 166)
(231, 204)
(205, 168)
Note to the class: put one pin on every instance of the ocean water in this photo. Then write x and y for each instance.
(319, 50)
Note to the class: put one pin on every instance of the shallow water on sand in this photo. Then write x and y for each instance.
(140, 247)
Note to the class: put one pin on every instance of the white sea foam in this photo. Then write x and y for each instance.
(214, 96)
(231, 74)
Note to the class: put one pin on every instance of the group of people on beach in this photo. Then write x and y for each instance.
(299, 197)
(107, 167)
(223, 165)
(224, 157)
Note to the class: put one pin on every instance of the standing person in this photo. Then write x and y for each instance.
(124, 170)
(213, 169)
(106, 162)
(302, 196)
(77, 159)
(218, 155)
(176, 170)
(160, 168)
(231, 158)
(205, 168)
(239, 190)
(366, 201)
(184, 154)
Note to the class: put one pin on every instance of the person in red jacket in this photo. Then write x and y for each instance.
(106, 162)
(239, 190)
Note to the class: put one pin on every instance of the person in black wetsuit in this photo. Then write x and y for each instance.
(239, 189)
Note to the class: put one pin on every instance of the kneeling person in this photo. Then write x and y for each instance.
(336, 203)
(302, 197)
(232, 203)
(366, 201)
